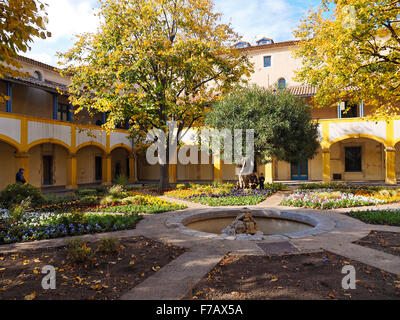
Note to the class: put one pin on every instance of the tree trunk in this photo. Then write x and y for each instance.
(164, 171)
(164, 176)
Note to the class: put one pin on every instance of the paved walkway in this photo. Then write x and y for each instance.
(175, 280)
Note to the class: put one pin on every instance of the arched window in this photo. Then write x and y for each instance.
(281, 83)
(37, 75)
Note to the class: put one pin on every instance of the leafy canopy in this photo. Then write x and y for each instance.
(351, 49)
(152, 61)
(282, 123)
(20, 22)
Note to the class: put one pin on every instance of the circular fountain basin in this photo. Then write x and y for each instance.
(274, 224)
(268, 226)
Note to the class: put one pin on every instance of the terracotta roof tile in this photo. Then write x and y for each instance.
(270, 46)
(303, 91)
(45, 85)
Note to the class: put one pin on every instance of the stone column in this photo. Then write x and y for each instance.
(106, 164)
(326, 165)
(22, 160)
(269, 169)
(72, 173)
(390, 174)
(217, 169)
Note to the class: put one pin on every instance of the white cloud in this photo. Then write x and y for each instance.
(70, 17)
(253, 19)
(66, 19)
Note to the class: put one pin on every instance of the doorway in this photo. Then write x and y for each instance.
(47, 170)
(98, 169)
(299, 170)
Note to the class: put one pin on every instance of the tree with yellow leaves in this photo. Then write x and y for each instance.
(152, 62)
(351, 50)
(20, 22)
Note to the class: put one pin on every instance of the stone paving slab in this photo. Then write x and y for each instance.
(278, 248)
(175, 280)
(374, 258)
(58, 242)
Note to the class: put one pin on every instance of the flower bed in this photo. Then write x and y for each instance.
(156, 207)
(232, 198)
(329, 200)
(91, 212)
(38, 226)
(223, 194)
(385, 216)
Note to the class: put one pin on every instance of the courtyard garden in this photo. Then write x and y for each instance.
(340, 195)
(27, 215)
(225, 194)
(101, 270)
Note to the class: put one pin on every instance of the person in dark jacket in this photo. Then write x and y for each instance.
(253, 181)
(261, 181)
(19, 178)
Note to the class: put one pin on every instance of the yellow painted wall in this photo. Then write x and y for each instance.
(315, 167)
(324, 113)
(46, 73)
(282, 170)
(229, 172)
(372, 160)
(8, 165)
(32, 102)
(59, 155)
(119, 156)
(146, 171)
(86, 170)
(195, 172)
(398, 160)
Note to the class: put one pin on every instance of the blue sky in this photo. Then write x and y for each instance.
(251, 18)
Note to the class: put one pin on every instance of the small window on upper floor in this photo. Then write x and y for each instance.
(349, 110)
(63, 110)
(37, 75)
(282, 83)
(267, 61)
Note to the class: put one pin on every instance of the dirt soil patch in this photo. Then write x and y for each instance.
(295, 277)
(108, 277)
(388, 242)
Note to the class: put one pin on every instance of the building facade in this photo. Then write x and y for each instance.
(39, 132)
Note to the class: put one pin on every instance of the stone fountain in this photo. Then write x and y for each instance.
(244, 224)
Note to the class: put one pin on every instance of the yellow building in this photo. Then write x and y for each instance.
(38, 132)
(352, 149)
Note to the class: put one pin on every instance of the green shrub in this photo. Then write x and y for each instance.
(137, 200)
(389, 217)
(121, 180)
(108, 245)
(107, 200)
(18, 211)
(79, 252)
(118, 191)
(14, 194)
(101, 189)
(89, 201)
(86, 192)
